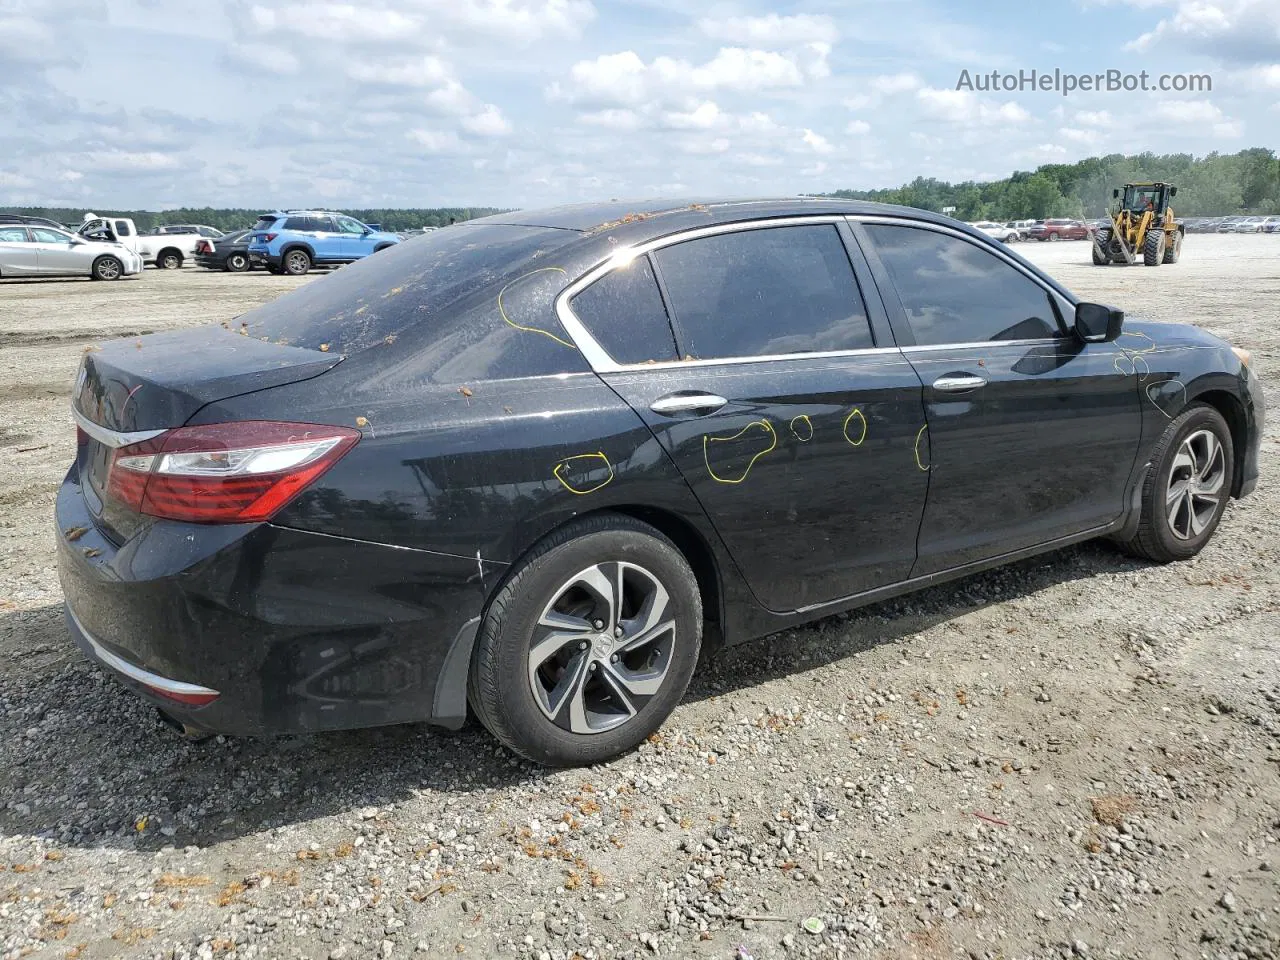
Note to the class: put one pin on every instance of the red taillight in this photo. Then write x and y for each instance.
(268, 237)
(225, 472)
(202, 246)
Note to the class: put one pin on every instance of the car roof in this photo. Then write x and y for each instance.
(646, 219)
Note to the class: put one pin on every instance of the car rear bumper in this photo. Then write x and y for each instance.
(296, 631)
(264, 257)
(210, 262)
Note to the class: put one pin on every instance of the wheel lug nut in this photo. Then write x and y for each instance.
(617, 631)
(593, 668)
(614, 658)
(582, 645)
(598, 624)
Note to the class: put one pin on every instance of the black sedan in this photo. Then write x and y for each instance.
(534, 462)
(229, 252)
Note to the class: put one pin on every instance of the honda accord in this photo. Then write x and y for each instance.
(532, 464)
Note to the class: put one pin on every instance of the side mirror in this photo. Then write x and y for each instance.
(1115, 194)
(1173, 191)
(1096, 323)
(77, 241)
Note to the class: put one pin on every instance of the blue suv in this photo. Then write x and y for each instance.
(294, 241)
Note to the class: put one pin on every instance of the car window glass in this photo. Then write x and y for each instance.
(953, 291)
(49, 236)
(321, 224)
(299, 223)
(264, 223)
(623, 310)
(764, 292)
(122, 228)
(347, 225)
(471, 303)
(13, 235)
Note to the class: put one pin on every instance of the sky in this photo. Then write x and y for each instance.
(155, 104)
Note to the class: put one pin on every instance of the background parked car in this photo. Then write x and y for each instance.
(1022, 226)
(21, 218)
(36, 251)
(997, 231)
(294, 241)
(1271, 225)
(173, 228)
(229, 252)
(167, 251)
(1061, 230)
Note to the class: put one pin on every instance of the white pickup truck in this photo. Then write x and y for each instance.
(167, 250)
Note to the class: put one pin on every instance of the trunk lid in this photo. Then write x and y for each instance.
(157, 382)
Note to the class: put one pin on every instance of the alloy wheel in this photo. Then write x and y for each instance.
(108, 270)
(602, 647)
(1195, 484)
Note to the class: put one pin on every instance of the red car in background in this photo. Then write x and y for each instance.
(1060, 230)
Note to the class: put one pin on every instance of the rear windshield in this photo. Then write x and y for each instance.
(264, 223)
(471, 301)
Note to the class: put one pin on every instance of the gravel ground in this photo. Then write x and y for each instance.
(1074, 756)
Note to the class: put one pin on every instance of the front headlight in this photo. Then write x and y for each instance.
(1242, 355)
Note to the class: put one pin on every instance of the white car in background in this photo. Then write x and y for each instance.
(168, 251)
(45, 252)
(997, 231)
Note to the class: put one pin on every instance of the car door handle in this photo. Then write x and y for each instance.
(958, 383)
(699, 403)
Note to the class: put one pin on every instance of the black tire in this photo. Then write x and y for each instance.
(1153, 248)
(273, 270)
(296, 262)
(500, 686)
(1156, 538)
(1053, 237)
(169, 260)
(1100, 255)
(1173, 250)
(107, 268)
(237, 262)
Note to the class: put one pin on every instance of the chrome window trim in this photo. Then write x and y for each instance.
(145, 677)
(599, 359)
(109, 437)
(1065, 305)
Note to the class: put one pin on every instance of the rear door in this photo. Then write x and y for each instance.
(792, 422)
(17, 252)
(1032, 433)
(328, 241)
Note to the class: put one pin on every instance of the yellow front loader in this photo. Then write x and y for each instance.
(1142, 225)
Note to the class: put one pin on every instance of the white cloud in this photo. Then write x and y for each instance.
(1242, 31)
(858, 127)
(436, 141)
(15, 180)
(705, 116)
(612, 119)
(1095, 118)
(420, 72)
(965, 107)
(772, 30)
(1199, 114)
(489, 122)
(877, 88)
(817, 142)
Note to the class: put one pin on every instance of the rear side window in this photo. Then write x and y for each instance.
(474, 302)
(953, 291)
(771, 291)
(302, 224)
(13, 235)
(623, 310)
(122, 228)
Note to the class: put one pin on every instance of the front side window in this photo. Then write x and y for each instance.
(623, 310)
(348, 225)
(953, 291)
(764, 292)
(49, 236)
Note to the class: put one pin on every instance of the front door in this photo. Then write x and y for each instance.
(1032, 433)
(56, 254)
(793, 428)
(356, 239)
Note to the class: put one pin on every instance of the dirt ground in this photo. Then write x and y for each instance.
(1078, 755)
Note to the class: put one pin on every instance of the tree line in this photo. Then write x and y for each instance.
(1210, 186)
(239, 218)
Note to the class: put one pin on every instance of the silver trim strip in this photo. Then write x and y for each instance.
(109, 437)
(145, 677)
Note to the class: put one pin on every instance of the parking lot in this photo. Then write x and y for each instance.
(1077, 755)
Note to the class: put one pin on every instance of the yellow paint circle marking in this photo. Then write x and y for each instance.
(796, 433)
(856, 412)
(503, 310)
(919, 435)
(707, 441)
(563, 464)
